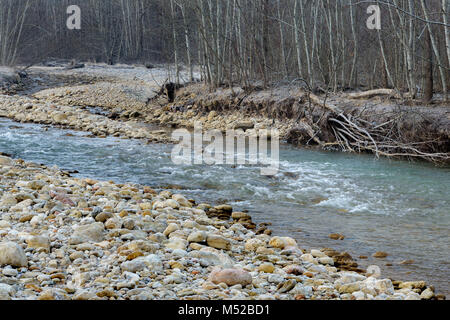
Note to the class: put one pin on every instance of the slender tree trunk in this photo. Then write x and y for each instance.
(297, 39)
(445, 13)
(283, 48)
(305, 42)
(410, 50)
(435, 49)
(355, 48)
(174, 39)
(186, 38)
(428, 71)
(383, 55)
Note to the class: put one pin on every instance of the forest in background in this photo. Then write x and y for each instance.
(324, 43)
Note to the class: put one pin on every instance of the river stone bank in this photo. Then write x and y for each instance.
(105, 98)
(132, 94)
(185, 112)
(286, 108)
(134, 123)
(71, 238)
(24, 109)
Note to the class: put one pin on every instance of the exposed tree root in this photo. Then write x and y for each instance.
(355, 134)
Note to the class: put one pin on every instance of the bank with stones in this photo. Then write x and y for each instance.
(72, 238)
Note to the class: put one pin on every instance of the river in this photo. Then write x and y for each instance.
(398, 207)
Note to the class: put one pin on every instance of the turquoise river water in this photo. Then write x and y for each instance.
(398, 207)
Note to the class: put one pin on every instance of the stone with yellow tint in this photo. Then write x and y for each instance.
(172, 227)
(282, 242)
(39, 242)
(266, 268)
(145, 206)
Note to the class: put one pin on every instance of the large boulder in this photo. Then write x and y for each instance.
(12, 254)
(88, 233)
(212, 257)
(231, 277)
(282, 242)
(39, 242)
(5, 161)
(218, 242)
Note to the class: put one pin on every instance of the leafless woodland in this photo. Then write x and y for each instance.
(326, 43)
(323, 45)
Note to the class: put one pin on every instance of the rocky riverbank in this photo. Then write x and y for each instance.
(74, 238)
(416, 131)
(104, 104)
(24, 109)
(70, 238)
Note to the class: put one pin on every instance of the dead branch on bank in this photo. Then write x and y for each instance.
(379, 92)
(371, 93)
(354, 134)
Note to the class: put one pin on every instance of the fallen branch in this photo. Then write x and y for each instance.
(354, 134)
(371, 93)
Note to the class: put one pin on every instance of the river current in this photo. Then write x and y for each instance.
(398, 207)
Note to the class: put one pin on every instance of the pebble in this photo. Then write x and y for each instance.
(318, 254)
(384, 286)
(253, 244)
(177, 243)
(350, 287)
(266, 267)
(427, 294)
(4, 224)
(6, 291)
(85, 233)
(10, 272)
(197, 237)
(134, 265)
(287, 286)
(4, 161)
(380, 255)
(326, 260)
(275, 278)
(413, 285)
(336, 236)
(170, 229)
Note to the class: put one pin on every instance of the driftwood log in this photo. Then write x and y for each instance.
(371, 93)
(379, 92)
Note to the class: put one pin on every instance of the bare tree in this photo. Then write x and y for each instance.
(435, 48)
(324, 42)
(428, 70)
(12, 19)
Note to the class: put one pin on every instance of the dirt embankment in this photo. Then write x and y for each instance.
(381, 125)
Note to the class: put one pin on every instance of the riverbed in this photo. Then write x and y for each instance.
(398, 207)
